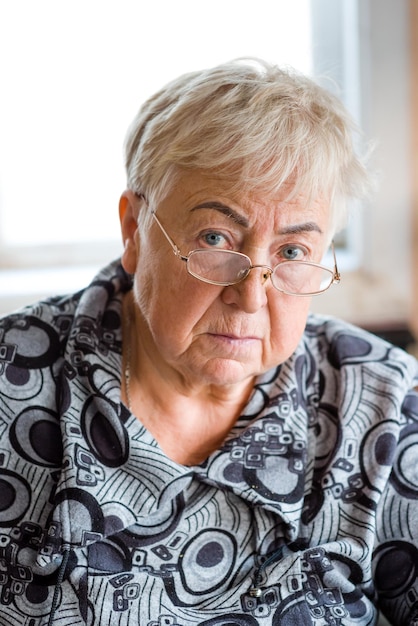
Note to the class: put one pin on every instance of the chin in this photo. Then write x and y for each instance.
(226, 372)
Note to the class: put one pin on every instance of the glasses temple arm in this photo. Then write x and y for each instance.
(337, 275)
(167, 236)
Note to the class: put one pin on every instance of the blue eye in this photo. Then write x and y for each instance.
(214, 239)
(293, 253)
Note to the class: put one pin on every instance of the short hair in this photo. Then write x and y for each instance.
(254, 125)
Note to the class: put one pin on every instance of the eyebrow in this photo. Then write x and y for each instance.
(293, 229)
(306, 227)
(225, 210)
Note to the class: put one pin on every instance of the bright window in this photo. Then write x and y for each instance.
(77, 72)
(74, 74)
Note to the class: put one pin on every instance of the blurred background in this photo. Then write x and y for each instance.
(73, 74)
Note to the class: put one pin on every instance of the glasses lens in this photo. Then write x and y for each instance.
(221, 267)
(299, 278)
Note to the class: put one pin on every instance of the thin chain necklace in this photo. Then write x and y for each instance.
(128, 379)
(127, 368)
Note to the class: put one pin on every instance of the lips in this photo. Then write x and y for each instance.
(234, 338)
(236, 334)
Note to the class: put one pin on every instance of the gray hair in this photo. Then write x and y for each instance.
(254, 125)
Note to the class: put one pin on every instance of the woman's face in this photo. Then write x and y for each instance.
(207, 334)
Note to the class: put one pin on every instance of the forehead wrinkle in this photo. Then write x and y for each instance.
(225, 210)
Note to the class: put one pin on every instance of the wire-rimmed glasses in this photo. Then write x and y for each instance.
(228, 267)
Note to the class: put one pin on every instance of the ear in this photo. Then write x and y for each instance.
(129, 206)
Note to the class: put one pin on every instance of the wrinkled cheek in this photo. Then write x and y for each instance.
(142, 289)
(288, 325)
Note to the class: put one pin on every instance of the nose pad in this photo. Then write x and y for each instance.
(266, 274)
(242, 274)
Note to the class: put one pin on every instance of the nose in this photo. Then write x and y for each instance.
(250, 293)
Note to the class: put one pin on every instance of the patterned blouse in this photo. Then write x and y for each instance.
(308, 514)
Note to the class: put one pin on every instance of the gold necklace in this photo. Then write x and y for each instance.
(127, 368)
(127, 373)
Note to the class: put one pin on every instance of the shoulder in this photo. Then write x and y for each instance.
(360, 372)
(34, 337)
(32, 341)
(346, 344)
(37, 329)
(31, 337)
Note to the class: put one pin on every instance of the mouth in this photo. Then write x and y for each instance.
(234, 339)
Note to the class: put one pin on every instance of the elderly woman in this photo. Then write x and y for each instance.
(181, 442)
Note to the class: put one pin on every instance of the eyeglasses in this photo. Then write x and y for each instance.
(227, 267)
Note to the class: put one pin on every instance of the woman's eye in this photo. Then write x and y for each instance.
(214, 239)
(293, 253)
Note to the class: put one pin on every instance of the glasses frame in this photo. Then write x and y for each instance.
(336, 276)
